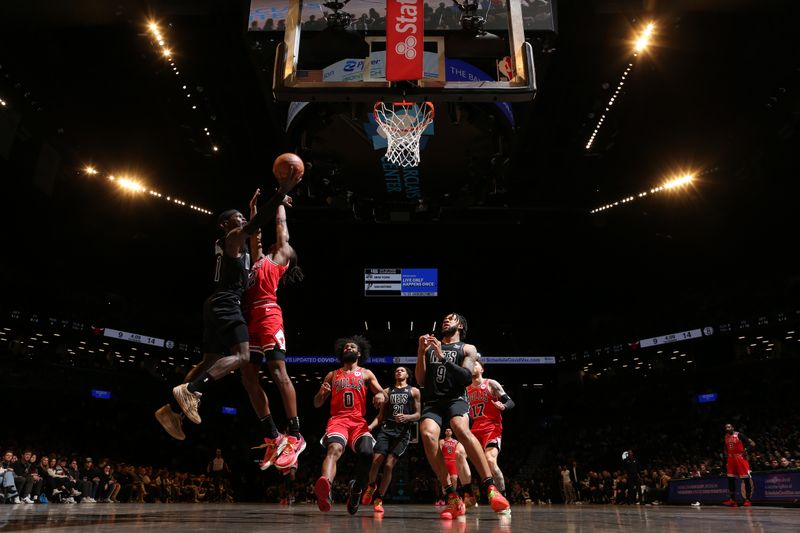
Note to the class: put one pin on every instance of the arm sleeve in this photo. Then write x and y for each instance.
(463, 376)
(266, 212)
(745, 441)
(507, 402)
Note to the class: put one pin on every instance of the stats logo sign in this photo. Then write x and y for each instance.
(404, 32)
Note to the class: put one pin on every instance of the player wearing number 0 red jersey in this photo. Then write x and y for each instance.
(347, 387)
(736, 445)
(487, 400)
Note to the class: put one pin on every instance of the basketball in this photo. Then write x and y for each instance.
(282, 167)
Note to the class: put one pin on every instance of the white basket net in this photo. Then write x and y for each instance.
(403, 124)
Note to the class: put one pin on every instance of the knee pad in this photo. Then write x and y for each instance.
(364, 446)
(257, 358)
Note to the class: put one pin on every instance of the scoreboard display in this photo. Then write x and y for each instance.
(401, 282)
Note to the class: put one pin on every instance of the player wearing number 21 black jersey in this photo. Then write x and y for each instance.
(347, 386)
(396, 420)
(445, 367)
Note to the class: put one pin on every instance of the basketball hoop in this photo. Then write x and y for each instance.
(403, 124)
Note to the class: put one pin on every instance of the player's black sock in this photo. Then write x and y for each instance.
(268, 424)
(201, 383)
(460, 490)
(294, 427)
(748, 488)
(486, 483)
(449, 490)
(173, 404)
(732, 487)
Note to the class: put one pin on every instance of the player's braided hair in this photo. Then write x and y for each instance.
(463, 322)
(364, 346)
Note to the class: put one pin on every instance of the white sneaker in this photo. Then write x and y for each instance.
(69, 500)
(26, 499)
(15, 500)
(696, 504)
(75, 492)
(56, 491)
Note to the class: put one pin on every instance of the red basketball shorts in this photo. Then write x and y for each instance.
(345, 430)
(265, 326)
(488, 435)
(738, 466)
(452, 467)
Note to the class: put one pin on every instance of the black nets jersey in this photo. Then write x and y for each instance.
(439, 383)
(401, 401)
(230, 273)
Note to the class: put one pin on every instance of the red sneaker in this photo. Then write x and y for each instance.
(294, 447)
(747, 504)
(496, 500)
(366, 499)
(730, 503)
(272, 449)
(377, 507)
(455, 508)
(322, 489)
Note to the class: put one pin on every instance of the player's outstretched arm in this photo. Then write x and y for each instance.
(380, 396)
(324, 390)
(256, 249)
(283, 251)
(381, 414)
(413, 417)
(504, 403)
(266, 210)
(422, 364)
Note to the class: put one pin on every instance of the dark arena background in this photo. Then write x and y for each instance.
(617, 220)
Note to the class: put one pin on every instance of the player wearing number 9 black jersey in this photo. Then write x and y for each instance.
(347, 386)
(445, 367)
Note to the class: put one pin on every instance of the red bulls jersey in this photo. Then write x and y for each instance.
(734, 444)
(481, 409)
(262, 283)
(348, 393)
(449, 449)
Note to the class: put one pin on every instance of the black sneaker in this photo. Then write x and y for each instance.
(353, 499)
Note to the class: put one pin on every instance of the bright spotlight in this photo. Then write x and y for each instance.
(644, 39)
(152, 26)
(89, 170)
(678, 182)
(130, 185)
(167, 52)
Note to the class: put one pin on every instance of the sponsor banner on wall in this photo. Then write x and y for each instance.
(768, 487)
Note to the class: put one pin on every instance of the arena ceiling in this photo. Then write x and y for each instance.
(716, 95)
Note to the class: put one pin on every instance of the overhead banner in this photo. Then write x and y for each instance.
(404, 33)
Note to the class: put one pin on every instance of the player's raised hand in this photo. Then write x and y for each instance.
(253, 200)
(436, 344)
(324, 389)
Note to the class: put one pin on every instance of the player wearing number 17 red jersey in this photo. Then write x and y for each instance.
(347, 386)
(487, 400)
